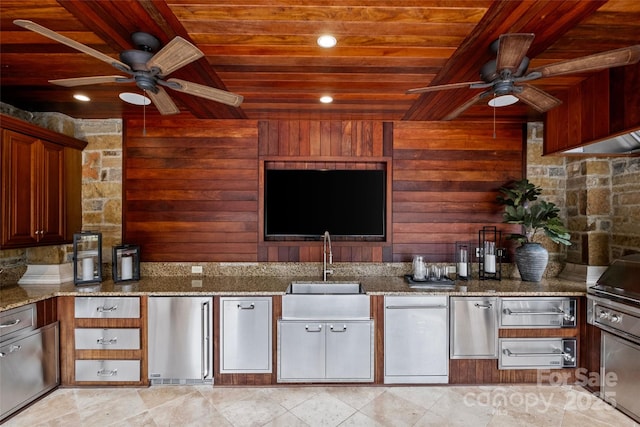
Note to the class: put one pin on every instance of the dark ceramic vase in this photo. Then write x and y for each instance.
(531, 259)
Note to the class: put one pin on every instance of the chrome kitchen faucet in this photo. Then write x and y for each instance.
(326, 271)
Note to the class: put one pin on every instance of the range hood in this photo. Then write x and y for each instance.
(627, 143)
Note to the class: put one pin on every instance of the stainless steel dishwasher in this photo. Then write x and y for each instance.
(180, 340)
(416, 344)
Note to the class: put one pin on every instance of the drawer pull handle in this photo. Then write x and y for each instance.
(112, 341)
(484, 306)
(319, 328)
(557, 352)
(9, 323)
(107, 373)
(246, 307)
(558, 312)
(344, 329)
(12, 349)
(104, 309)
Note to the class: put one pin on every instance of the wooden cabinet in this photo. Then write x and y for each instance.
(41, 181)
(103, 341)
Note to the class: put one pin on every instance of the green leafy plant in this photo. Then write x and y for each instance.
(521, 206)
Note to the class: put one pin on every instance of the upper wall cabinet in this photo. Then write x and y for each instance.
(41, 185)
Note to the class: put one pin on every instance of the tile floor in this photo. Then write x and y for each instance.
(510, 406)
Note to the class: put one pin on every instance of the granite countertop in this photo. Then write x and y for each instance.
(15, 296)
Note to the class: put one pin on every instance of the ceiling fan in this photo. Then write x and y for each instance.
(507, 74)
(146, 69)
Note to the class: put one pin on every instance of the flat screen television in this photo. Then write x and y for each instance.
(303, 204)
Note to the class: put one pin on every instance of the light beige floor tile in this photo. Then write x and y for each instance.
(290, 397)
(464, 406)
(141, 420)
(323, 410)
(356, 397)
(252, 411)
(423, 396)
(360, 420)
(120, 405)
(192, 410)
(286, 420)
(390, 409)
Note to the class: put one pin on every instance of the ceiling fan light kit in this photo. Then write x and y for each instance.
(502, 101)
(146, 68)
(134, 98)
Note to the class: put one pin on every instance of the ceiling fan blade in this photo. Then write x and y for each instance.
(29, 25)
(443, 87)
(538, 99)
(512, 48)
(206, 92)
(83, 81)
(598, 61)
(163, 102)
(176, 54)
(455, 113)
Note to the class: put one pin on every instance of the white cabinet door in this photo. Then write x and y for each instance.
(245, 341)
(349, 350)
(302, 350)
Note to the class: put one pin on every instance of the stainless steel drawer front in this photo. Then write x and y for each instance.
(107, 370)
(16, 320)
(554, 312)
(536, 353)
(474, 328)
(107, 308)
(107, 339)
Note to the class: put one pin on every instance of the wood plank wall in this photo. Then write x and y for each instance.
(193, 188)
(445, 181)
(190, 189)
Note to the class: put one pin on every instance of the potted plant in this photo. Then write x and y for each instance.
(521, 206)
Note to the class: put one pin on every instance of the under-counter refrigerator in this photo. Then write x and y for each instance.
(180, 340)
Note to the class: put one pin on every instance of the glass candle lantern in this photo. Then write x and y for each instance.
(489, 253)
(87, 257)
(463, 260)
(126, 263)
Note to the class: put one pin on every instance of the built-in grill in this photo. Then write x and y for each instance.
(614, 307)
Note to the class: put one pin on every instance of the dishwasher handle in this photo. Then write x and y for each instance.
(206, 336)
(416, 307)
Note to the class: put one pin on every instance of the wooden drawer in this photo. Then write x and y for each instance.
(16, 320)
(107, 308)
(107, 370)
(107, 339)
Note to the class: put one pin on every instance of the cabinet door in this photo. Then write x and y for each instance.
(245, 342)
(302, 349)
(19, 193)
(474, 328)
(349, 352)
(51, 226)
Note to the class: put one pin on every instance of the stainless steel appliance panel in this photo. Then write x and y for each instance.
(180, 339)
(301, 350)
(246, 335)
(17, 320)
(29, 368)
(474, 328)
(538, 312)
(108, 370)
(107, 308)
(621, 374)
(416, 339)
(537, 353)
(107, 339)
(349, 351)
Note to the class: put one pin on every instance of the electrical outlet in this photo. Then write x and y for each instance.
(196, 269)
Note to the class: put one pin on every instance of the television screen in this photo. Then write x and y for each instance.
(306, 203)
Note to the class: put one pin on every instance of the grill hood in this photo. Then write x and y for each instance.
(621, 278)
(628, 143)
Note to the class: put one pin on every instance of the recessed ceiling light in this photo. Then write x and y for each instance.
(502, 101)
(81, 97)
(326, 99)
(327, 41)
(134, 98)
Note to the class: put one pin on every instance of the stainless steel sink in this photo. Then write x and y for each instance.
(324, 288)
(325, 301)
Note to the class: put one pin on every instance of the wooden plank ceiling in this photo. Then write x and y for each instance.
(266, 51)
